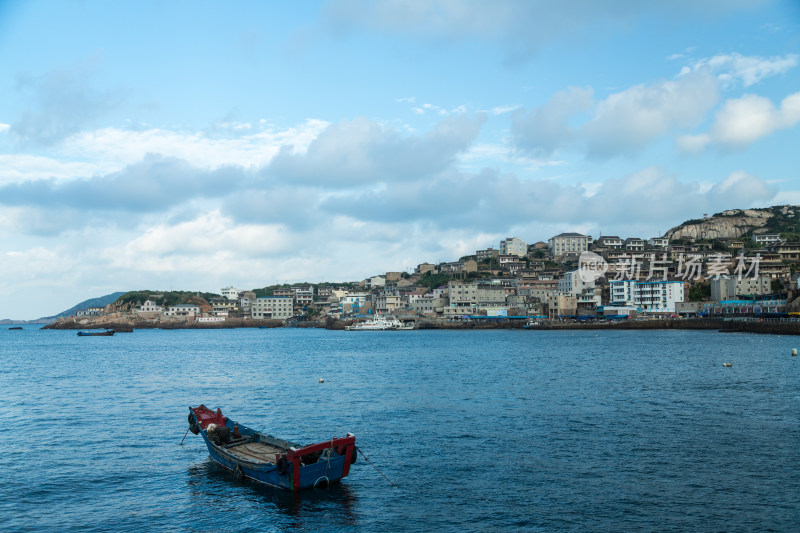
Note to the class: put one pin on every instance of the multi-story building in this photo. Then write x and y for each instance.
(490, 295)
(788, 251)
(569, 243)
(230, 293)
(658, 242)
(583, 291)
(424, 267)
(149, 306)
(728, 288)
(355, 303)
(651, 296)
(488, 253)
(387, 301)
(609, 241)
(304, 295)
(462, 294)
(634, 244)
(428, 305)
(766, 238)
(272, 307)
(514, 246)
(92, 311)
(223, 306)
(182, 310)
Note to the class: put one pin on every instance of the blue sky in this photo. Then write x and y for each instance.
(194, 145)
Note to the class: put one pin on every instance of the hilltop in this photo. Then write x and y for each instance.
(737, 223)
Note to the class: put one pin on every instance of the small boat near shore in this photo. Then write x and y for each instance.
(15, 328)
(106, 333)
(379, 323)
(265, 459)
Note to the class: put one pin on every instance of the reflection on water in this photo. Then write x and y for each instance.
(213, 489)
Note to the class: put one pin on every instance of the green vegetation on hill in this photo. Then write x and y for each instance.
(431, 281)
(164, 298)
(101, 301)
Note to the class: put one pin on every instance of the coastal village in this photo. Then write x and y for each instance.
(696, 270)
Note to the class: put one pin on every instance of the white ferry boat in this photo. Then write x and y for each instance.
(378, 323)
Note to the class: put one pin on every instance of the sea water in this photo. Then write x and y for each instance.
(498, 430)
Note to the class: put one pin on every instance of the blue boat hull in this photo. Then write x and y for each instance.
(318, 474)
(329, 461)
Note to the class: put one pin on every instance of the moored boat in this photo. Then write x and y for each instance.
(263, 458)
(379, 323)
(106, 333)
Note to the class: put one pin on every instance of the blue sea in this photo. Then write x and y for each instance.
(499, 430)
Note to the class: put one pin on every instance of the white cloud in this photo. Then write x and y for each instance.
(250, 151)
(4, 127)
(362, 151)
(107, 150)
(628, 120)
(544, 129)
(17, 168)
(748, 70)
(209, 233)
(743, 121)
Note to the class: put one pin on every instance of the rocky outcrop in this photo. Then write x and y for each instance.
(129, 322)
(730, 224)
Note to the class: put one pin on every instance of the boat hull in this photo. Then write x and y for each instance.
(96, 333)
(331, 462)
(318, 474)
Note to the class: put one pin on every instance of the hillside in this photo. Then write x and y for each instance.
(737, 223)
(101, 301)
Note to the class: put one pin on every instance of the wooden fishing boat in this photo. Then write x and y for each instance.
(279, 463)
(106, 333)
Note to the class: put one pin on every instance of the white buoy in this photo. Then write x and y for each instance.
(321, 380)
(794, 352)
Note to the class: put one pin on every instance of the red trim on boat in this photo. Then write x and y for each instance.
(206, 416)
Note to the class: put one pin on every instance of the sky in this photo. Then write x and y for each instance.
(169, 145)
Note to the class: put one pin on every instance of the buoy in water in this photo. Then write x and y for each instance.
(794, 352)
(321, 380)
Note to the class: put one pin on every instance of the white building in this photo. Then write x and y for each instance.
(634, 244)
(187, 310)
(304, 295)
(610, 241)
(92, 311)
(658, 242)
(583, 291)
(274, 307)
(723, 288)
(651, 296)
(766, 238)
(514, 246)
(149, 306)
(569, 243)
(230, 293)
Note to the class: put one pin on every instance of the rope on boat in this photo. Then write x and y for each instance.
(184, 437)
(375, 467)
